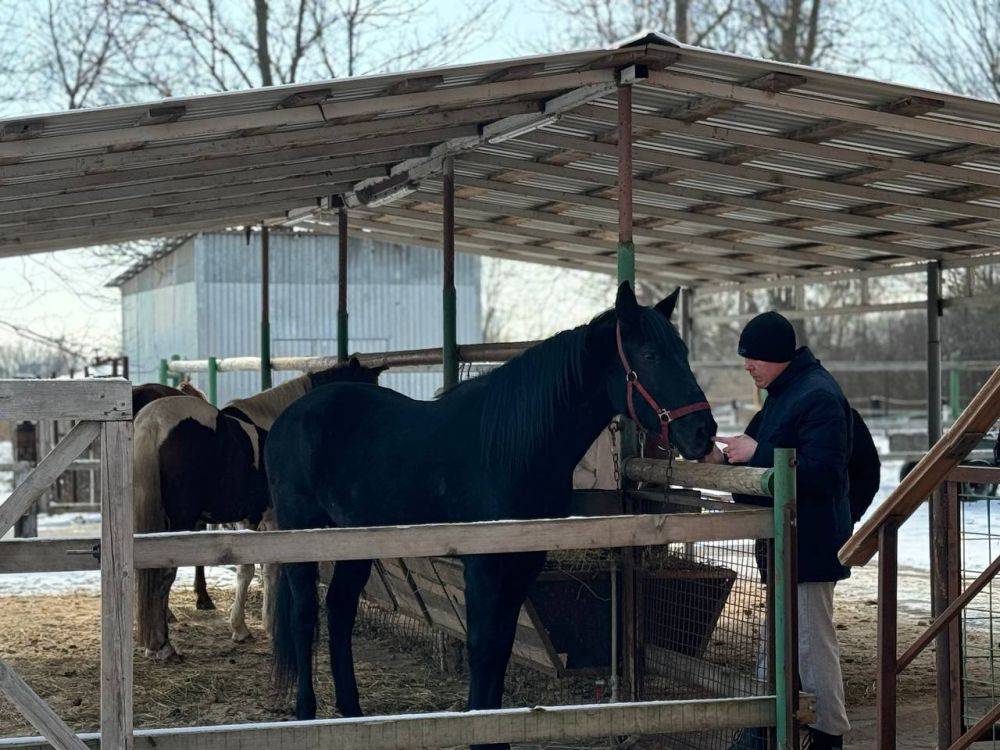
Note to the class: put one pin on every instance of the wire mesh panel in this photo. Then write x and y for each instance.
(980, 530)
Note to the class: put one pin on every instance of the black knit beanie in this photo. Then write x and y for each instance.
(768, 337)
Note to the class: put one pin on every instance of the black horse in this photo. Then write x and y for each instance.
(500, 446)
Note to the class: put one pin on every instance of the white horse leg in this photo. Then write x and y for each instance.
(269, 577)
(237, 613)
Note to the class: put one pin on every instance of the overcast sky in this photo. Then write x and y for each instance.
(63, 294)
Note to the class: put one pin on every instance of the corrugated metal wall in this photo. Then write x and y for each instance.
(159, 313)
(394, 299)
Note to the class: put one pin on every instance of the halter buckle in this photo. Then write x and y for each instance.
(631, 376)
(664, 415)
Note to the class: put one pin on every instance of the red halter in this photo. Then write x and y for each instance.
(665, 416)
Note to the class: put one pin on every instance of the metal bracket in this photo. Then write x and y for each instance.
(94, 551)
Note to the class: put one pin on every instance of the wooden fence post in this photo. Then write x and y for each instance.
(117, 583)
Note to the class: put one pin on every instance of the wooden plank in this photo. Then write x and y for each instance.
(179, 549)
(974, 474)
(786, 144)
(949, 131)
(774, 177)
(300, 117)
(744, 480)
(713, 678)
(885, 706)
(37, 711)
(160, 160)
(726, 199)
(46, 472)
(117, 585)
(982, 728)
(443, 729)
(100, 400)
(975, 420)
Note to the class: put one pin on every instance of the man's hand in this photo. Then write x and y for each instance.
(739, 449)
(715, 457)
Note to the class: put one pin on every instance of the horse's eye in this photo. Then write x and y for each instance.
(649, 356)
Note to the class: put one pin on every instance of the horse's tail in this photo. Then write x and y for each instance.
(188, 389)
(284, 670)
(150, 516)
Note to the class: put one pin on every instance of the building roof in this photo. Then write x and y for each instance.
(745, 169)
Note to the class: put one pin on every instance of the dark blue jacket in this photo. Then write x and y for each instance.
(806, 410)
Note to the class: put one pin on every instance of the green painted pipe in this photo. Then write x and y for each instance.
(213, 381)
(175, 378)
(767, 483)
(784, 594)
(626, 263)
(955, 381)
(163, 372)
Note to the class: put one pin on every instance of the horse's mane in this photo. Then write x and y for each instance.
(523, 396)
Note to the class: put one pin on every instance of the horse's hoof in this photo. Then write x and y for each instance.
(204, 604)
(242, 634)
(166, 653)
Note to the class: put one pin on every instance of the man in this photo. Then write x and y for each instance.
(806, 410)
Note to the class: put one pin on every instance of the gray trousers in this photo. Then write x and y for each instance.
(819, 657)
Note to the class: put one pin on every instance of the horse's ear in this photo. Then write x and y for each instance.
(626, 305)
(666, 306)
(354, 363)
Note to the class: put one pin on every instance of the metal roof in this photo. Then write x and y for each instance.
(745, 169)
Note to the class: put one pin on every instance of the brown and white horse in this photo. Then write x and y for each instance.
(195, 464)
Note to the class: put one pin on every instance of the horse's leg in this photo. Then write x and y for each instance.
(269, 577)
(349, 578)
(495, 589)
(302, 581)
(204, 601)
(237, 613)
(154, 636)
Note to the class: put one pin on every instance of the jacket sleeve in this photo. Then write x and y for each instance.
(821, 450)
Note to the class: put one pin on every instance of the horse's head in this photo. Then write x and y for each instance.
(352, 372)
(650, 368)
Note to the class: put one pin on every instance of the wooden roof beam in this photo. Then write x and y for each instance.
(729, 201)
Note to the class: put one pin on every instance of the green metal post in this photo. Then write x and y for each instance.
(175, 378)
(448, 304)
(342, 286)
(955, 381)
(785, 600)
(265, 309)
(213, 381)
(163, 372)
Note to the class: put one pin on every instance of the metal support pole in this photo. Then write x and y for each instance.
(342, 286)
(632, 645)
(946, 585)
(163, 372)
(934, 311)
(213, 381)
(450, 338)
(885, 686)
(626, 248)
(785, 600)
(175, 377)
(265, 308)
(955, 391)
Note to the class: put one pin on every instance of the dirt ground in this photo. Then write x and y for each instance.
(53, 642)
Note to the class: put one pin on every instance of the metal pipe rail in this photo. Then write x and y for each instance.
(467, 353)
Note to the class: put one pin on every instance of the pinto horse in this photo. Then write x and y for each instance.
(195, 464)
(500, 446)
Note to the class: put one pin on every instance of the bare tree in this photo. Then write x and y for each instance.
(840, 34)
(601, 22)
(958, 45)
